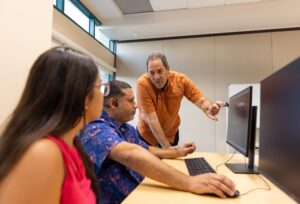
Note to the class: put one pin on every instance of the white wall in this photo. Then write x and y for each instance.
(212, 63)
(25, 33)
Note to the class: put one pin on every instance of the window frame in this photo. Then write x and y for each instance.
(93, 21)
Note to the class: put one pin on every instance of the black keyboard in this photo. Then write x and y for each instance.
(198, 166)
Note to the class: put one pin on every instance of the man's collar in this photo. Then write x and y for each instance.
(109, 119)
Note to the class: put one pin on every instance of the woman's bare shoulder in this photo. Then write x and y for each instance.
(42, 157)
(38, 175)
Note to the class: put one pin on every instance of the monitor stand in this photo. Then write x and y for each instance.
(242, 168)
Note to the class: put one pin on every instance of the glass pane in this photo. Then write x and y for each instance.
(101, 37)
(73, 12)
(104, 76)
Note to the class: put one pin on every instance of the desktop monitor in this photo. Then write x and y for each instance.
(279, 141)
(241, 129)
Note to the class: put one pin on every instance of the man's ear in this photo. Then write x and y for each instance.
(112, 102)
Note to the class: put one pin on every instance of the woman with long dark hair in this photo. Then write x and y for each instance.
(41, 160)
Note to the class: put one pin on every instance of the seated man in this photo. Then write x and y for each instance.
(121, 159)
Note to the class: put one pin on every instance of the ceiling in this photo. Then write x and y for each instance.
(142, 6)
(143, 19)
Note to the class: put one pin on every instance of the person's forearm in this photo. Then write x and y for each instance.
(142, 161)
(204, 104)
(164, 153)
(158, 133)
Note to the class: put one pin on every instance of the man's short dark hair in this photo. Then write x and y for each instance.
(116, 90)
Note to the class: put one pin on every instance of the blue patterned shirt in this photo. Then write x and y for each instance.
(116, 181)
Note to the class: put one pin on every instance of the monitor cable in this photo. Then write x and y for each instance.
(216, 168)
(268, 188)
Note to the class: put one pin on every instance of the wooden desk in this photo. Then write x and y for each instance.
(153, 192)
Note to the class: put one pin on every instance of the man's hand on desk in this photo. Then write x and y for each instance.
(187, 148)
(212, 183)
(173, 152)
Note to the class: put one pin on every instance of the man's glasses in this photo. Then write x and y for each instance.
(104, 88)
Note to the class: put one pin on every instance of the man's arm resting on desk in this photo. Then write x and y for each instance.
(173, 152)
(142, 161)
(156, 129)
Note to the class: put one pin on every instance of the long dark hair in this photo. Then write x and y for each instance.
(53, 102)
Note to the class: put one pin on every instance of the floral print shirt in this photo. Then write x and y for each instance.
(116, 181)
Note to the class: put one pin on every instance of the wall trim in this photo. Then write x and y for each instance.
(211, 35)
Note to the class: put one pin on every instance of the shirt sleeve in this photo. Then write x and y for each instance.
(191, 92)
(145, 102)
(102, 139)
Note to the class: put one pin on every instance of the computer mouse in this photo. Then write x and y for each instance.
(236, 194)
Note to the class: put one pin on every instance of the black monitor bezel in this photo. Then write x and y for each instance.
(272, 89)
(237, 147)
(249, 151)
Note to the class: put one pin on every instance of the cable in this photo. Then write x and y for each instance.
(254, 189)
(216, 168)
(268, 188)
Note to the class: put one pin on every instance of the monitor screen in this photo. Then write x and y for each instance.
(241, 130)
(280, 128)
(239, 118)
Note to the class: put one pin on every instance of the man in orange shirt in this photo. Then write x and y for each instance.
(159, 94)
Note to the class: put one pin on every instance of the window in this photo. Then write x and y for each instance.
(77, 15)
(86, 20)
(101, 37)
(105, 76)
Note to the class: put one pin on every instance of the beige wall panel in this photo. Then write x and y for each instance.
(131, 58)
(131, 62)
(194, 57)
(239, 59)
(25, 34)
(286, 48)
(67, 28)
(54, 43)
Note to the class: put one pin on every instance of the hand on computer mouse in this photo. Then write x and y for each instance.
(209, 183)
(236, 194)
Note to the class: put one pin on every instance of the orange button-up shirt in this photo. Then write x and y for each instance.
(165, 102)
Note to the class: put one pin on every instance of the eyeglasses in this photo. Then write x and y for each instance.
(104, 88)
